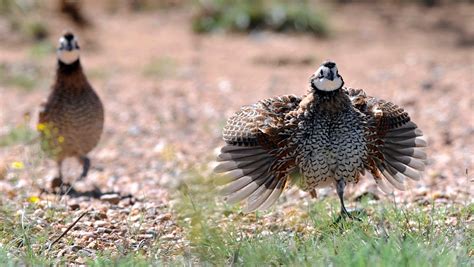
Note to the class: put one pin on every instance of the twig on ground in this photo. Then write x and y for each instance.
(67, 230)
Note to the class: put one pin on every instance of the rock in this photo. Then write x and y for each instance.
(76, 248)
(92, 245)
(136, 218)
(164, 217)
(100, 216)
(111, 198)
(103, 230)
(85, 234)
(146, 236)
(100, 223)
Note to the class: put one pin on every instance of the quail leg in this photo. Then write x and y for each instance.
(86, 163)
(58, 181)
(340, 192)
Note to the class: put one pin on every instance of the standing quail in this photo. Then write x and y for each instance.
(72, 120)
(330, 136)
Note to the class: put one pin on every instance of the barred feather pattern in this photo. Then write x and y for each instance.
(72, 119)
(258, 156)
(331, 146)
(396, 145)
(326, 136)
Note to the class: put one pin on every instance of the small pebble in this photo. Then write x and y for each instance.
(111, 198)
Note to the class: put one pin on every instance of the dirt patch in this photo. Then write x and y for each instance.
(167, 94)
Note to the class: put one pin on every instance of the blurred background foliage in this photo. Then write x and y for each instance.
(22, 16)
(304, 16)
(248, 15)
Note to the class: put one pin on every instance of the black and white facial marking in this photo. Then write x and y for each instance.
(68, 49)
(326, 78)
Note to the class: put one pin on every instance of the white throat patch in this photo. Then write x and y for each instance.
(68, 57)
(324, 84)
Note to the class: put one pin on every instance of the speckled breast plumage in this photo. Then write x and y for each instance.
(331, 146)
(75, 121)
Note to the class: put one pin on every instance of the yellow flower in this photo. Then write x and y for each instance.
(33, 199)
(41, 127)
(18, 165)
(61, 139)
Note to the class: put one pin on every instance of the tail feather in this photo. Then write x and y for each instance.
(245, 192)
(414, 163)
(257, 198)
(409, 142)
(417, 153)
(248, 170)
(404, 133)
(404, 169)
(241, 156)
(407, 125)
(382, 184)
(249, 176)
(276, 192)
(241, 164)
(403, 154)
(393, 178)
(240, 149)
(241, 182)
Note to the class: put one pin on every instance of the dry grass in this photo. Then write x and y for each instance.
(167, 93)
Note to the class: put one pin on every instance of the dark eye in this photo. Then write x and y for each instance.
(321, 73)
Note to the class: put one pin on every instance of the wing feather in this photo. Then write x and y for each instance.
(396, 144)
(257, 156)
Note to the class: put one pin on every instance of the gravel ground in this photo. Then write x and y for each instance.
(167, 93)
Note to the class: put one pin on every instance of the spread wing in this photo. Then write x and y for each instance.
(395, 143)
(258, 156)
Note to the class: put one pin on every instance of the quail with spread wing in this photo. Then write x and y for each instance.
(331, 136)
(72, 119)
